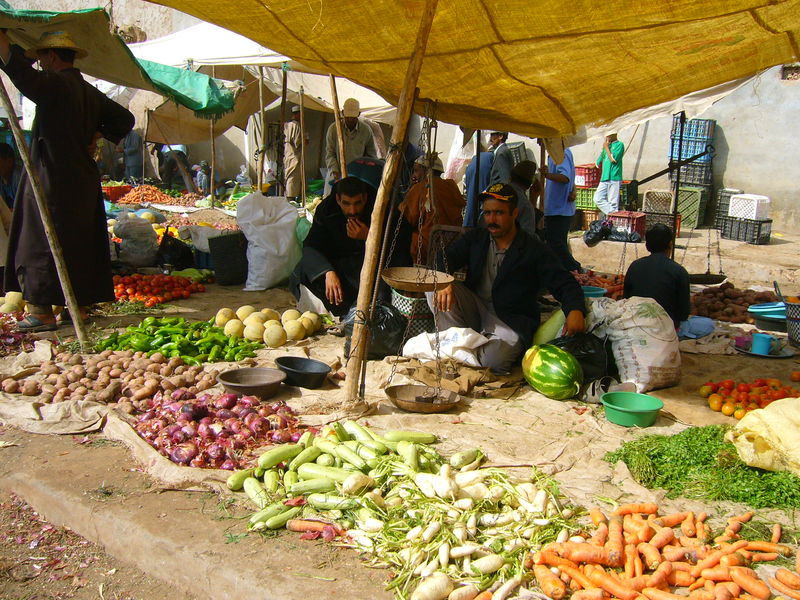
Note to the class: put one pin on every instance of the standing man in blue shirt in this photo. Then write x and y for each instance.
(559, 207)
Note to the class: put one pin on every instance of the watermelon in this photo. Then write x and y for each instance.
(552, 371)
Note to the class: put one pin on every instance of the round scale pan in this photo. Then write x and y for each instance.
(257, 381)
(416, 279)
(419, 398)
(303, 372)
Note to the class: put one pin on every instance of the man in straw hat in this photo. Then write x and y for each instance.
(70, 116)
(358, 140)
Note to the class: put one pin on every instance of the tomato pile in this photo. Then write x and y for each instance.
(734, 399)
(154, 289)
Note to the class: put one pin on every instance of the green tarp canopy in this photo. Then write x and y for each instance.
(111, 60)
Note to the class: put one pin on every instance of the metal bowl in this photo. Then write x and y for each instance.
(303, 372)
(261, 382)
(416, 279)
(421, 398)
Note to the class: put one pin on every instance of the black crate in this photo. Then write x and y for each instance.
(229, 258)
(668, 219)
(695, 174)
(723, 203)
(752, 231)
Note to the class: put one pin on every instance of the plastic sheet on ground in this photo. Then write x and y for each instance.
(770, 438)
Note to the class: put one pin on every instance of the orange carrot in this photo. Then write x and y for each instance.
(746, 571)
(709, 585)
(484, 595)
(630, 557)
(578, 577)
(716, 574)
(552, 559)
(751, 585)
(638, 583)
(725, 537)
(650, 555)
(638, 566)
(647, 508)
(744, 596)
(698, 583)
(713, 559)
(670, 520)
(592, 594)
(732, 560)
(662, 537)
(688, 542)
(597, 516)
(743, 518)
(655, 594)
(629, 525)
(680, 578)
(630, 538)
(701, 533)
(687, 525)
(783, 589)
(777, 531)
(585, 553)
(573, 585)
(768, 547)
(303, 525)
(786, 577)
(615, 544)
(733, 527)
(660, 575)
(701, 517)
(701, 595)
(734, 589)
(600, 535)
(722, 593)
(551, 585)
(646, 533)
(673, 553)
(612, 586)
(681, 566)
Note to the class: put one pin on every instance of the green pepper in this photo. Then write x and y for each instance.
(201, 358)
(168, 347)
(192, 362)
(244, 354)
(170, 331)
(212, 356)
(198, 325)
(158, 341)
(169, 321)
(230, 355)
(141, 343)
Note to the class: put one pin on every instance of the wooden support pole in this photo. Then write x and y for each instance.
(144, 141)
(211, 181)
(542, 181)
(302, 149)
(337, 115)
(262, 143)
(281, 170)
(47, 221)
(405, 106)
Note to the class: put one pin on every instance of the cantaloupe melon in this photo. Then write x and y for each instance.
(234, 328)
(290, 315)
(244, 311)
(274, 336)
(223, 316)
(294, 330)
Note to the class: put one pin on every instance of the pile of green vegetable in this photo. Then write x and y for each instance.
(407, 508)
(195, 343)
(698, 463)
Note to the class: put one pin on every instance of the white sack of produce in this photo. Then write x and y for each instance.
(139, 245)
(200, 234)
(643, 340)
(458, 343)
(268, 223)
(770, 438)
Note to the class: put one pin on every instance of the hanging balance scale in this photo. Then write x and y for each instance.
(708, 278)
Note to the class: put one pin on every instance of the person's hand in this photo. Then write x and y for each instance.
(335, 175)
(543, 170)
(575, 322)
(356, 229)
(333, 288)
(444, 298)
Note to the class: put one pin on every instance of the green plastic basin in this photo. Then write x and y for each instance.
(631, 409)
(590, 291)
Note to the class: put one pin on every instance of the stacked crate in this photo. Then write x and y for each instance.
(697, 135)
(747, 220)
(723, 203)
(587, 177)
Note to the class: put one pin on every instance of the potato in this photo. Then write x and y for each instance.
(61, 395)
(10, 386)
(46, 398)
(105, 354)
(90, 397)
(49, 368)
(114, 373)
(158, 358)
(61, 381)
(52, 379)
(76, 359)
(30, 388)
(82, 390)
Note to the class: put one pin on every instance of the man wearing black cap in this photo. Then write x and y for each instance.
(506, 269)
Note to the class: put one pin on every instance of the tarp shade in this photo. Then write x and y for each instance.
(536, 68)
(109, 58)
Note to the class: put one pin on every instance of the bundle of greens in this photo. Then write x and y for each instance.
(698, 463)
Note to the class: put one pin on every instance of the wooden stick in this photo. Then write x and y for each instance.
(281, 170)
(540, 201)
(211, 182)
(144, 140)
(47, 222)
(263, 141)
(302, 149)
(404, 108)
(337, 115)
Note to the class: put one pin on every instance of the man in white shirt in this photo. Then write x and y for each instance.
(358, 140)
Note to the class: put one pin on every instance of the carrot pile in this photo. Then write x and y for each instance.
(637, 555)
(613, 284)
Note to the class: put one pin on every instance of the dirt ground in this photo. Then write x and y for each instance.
(518, 429)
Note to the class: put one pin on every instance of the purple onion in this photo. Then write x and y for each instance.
(207, 420)
(237, 409)
(223, 414)
(199, 461)
(296, 436)
(205, 432)
(215, 451)
(250, 417)
(179, 394)
(228, 465)
(147, 415)
(258, 425)
(226, 401)
(237, 442)
(203, 399)
(276, 406)
(183, 453)
(170, 429)
(217, 427)
(233, 424)
(178, 436)
(264, 411)
(158, 424)
(280, 436)
(189, 429)
(174, 407)
(249, 401)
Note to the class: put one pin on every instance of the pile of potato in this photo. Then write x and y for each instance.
(728, 303)
(111, 376)
(267, 324)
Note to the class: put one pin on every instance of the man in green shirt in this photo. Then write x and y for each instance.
(610, 161)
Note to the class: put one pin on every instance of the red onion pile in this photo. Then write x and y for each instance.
(214, 431)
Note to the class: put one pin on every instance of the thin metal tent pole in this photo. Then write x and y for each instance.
(47, 221)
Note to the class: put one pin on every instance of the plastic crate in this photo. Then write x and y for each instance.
(416, 310)
(630, 221)
(701, 174)
(654, 218)
(752, 231)
(587, 176)
(628, 195)
(689, 148)
(115, 192)
(657, 201)
(588, 217)
(793, 322)
(229, 258)
(584, 197)
(723, 202)
(701, 128)
(518, 151)
(692, 203)
(749, 206)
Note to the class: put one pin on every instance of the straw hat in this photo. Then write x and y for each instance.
(56, 39)
(351, 108)
(426, 162)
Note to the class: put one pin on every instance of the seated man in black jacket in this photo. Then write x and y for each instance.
(506, 269)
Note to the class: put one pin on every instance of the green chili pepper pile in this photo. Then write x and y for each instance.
(195, 342)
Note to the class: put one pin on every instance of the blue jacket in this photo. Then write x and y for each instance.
(528, 267)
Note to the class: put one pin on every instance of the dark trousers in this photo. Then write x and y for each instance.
(556, 232)
(170, 168)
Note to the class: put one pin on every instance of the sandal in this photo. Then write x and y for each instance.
(31, 323)
(595, 389)
(65, 318)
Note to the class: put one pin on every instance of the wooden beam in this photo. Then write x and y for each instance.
(337, 115)
(360, 338)
(302, 149)
(262, 143)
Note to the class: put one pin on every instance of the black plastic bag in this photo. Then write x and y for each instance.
(590, 352)
(174, 252)
(621, 235)
(598, 231)
(385, 333)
